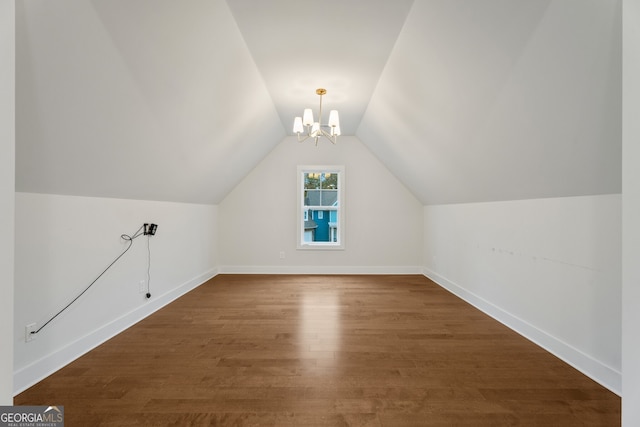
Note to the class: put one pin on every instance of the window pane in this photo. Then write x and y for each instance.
(330, 181)
(312, 189)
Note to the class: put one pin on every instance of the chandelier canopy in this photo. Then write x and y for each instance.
(306, 128)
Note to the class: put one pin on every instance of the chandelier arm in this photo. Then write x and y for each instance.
(322, 132)
(330, 137)
(303, 139)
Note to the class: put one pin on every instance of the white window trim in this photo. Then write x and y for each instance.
(301, 245)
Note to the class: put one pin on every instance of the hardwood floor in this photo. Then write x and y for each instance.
(322, 351)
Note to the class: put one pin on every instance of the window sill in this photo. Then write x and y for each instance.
(320, 247)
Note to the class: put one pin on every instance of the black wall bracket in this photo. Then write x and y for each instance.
(150, 229)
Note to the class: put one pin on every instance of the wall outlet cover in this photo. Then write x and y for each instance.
(28, 336)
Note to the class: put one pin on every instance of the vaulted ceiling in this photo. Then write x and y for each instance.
(462, 100)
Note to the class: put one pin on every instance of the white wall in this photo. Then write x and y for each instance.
(631, 216)
(548, 268)
(7, 168)
(64, 242)
(383, 219)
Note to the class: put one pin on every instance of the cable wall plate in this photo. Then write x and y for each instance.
(28, 335)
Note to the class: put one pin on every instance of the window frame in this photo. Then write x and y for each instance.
(340, 209)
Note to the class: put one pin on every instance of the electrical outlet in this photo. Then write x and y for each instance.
(282, 255)
(141, 286)
(28, 336)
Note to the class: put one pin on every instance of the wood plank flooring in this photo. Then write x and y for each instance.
(282, 350)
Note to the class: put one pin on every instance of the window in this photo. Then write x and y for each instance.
(320, 207)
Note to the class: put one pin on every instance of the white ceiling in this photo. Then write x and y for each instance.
(463, 100)
(501, 100)
(339, 45)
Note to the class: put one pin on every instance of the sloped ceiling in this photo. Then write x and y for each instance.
(339, 45)
(463, 100)
(156, 99)
(500, 100)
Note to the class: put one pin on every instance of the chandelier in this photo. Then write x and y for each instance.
(306, 128)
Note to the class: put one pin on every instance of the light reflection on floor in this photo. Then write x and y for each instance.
(320, 328)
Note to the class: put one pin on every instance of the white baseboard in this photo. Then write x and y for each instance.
(40, 369)
(604, 375)
(314, 269)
